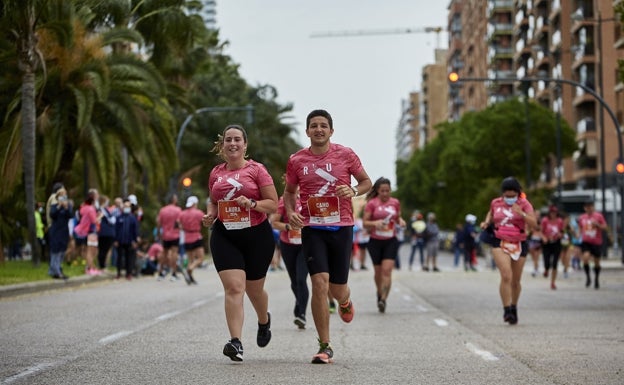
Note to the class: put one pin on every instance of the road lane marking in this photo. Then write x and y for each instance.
(114, 337)
(422, 308)
(28, 372)
(38, 368)
(484, 354)
(440, 322)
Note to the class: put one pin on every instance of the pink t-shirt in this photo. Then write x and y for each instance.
(318, 176)
(292, 236)
(167, 218)
(154, 250)
(191, 222)
(552, 228)
(509, 225)
(388, 211)
(88, 221)
(225, 184)
(590, 233)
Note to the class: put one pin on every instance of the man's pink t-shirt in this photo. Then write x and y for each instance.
(509, 225)
(318, 176)
(225, 184)
(88, 221)
(388, 212)
(191, 222)
(590, 233)
(167, 218)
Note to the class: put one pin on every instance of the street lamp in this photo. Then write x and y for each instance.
(249, 109)
(590, 91)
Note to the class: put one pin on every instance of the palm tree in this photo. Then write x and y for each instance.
(20, 17)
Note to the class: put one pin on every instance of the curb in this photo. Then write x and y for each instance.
(48, 285)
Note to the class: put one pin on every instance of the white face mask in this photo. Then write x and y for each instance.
(510, 201)
(127, 210)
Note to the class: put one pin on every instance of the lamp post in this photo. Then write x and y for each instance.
(558, 139)
(249, 109)
(454, 79)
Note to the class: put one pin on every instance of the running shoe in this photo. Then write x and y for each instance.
(300, 322)
(381, 305)
(187, 276)
(513, 315)
(174, 278)
(161, 277)
(332, 307)
(264, 333)
(234, 350)
(324, 355)
(347, 311)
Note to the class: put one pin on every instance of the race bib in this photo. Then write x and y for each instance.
(511, 248)
(294, 236)
(233, 216)
(323, 210)
(387, 231)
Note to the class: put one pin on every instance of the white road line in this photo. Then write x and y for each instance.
(484, 354)
(406, 297)
(422, 308)
(114, 337)
(166, 316)
(27, 372)
(103, 341)
(440, 322)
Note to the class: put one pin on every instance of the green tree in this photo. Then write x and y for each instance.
(460, 171)
(20, 21)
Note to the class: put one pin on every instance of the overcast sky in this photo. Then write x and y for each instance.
(359, 80)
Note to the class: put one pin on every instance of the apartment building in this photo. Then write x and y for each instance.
(434, 89)
(578, 40)
(409, 134)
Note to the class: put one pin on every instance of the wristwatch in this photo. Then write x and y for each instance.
(355, 190)
(253, 203)
(287, 227)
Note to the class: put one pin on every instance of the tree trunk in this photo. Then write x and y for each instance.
(28, 150)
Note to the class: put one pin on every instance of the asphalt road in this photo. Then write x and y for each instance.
(439, 328)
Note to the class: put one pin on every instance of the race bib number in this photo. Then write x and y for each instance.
(387, 231)
(323, 210)
(511, 248)
(233, 216)
(294, 236)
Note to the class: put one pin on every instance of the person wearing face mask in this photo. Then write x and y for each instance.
(61, 212)
(510, 214)
(106, 231)
(126, 239)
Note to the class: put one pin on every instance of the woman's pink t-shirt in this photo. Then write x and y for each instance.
(225, 184)
(388, 212)
(509, 225)
(88, 221)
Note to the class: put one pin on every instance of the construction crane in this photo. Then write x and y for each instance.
(373, 32)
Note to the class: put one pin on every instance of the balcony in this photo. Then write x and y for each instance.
(502, 5)
(585, 125)
(503, 52)
(583, 98)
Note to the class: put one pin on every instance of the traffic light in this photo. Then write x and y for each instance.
(619, 168)
(453, 77)
(187, 182)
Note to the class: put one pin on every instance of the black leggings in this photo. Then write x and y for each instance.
(298, 272)
(551, 252)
